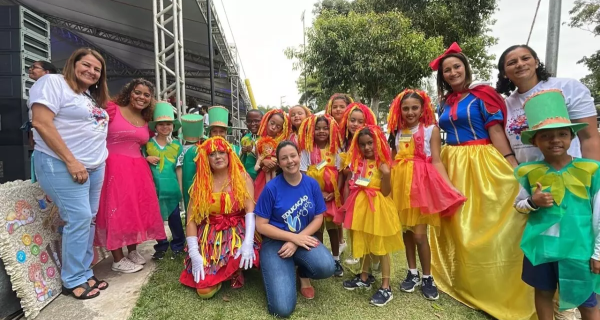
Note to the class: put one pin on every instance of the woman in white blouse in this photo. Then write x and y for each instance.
(70, 149)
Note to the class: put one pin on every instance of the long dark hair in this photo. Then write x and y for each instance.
(504, 85)
(414, 95)
(124, 97)
(444, 89)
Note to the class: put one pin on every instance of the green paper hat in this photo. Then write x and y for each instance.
(218, 117)
(547, 110)
(192, 127)
(164, 112)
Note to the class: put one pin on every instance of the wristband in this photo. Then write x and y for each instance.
(509, 154)
(532, 204)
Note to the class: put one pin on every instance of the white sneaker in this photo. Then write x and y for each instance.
(351, 261)
(126, 266)
(342, 247)
(136, 258)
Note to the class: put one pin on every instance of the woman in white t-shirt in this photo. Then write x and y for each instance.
(521, 74)
(70, 150)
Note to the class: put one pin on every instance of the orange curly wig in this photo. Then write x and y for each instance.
(382, 149)
(370, 119)
(395, 121)
(306, 139)
(285, 132)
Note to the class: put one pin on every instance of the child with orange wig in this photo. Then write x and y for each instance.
(421, 188)
(319, 143)
(220, 230)
(355, 116)
(275, 125)
(370, 213)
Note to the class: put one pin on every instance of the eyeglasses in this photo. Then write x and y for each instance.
(34, 67)
(253, 121)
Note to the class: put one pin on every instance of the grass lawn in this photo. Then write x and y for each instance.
(163, 297)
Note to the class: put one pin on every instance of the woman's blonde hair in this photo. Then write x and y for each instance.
(99, 91)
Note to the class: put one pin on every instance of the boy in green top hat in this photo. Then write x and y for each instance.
(192, 127)
(218, 119)
(162, 152)
(561, 240)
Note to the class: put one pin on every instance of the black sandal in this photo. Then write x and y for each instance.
(98, 283)
(82, 296)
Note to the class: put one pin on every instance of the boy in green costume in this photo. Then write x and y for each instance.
(192, 127)
(248, 155)
(561, 240)
(162, 152)
(218, 117)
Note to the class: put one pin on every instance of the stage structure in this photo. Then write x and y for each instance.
(164, 41)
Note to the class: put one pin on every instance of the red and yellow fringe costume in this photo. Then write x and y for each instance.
(420, 193)
(261, 179)
(327, 176)
(219, 217)
(370, 216)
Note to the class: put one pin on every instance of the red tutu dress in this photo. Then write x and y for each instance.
(220, 236)
(129, 212)
(420, 193)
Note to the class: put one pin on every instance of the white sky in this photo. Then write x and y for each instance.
(263, 29)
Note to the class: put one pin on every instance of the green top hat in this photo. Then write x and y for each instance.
(547, 110)
(192, 127)
(164, 112)
(218, 117)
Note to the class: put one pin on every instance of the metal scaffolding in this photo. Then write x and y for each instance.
(231, 62)
(168, 46)
(83, 28)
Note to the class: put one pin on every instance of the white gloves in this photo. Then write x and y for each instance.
(196, 257)
(247, 249)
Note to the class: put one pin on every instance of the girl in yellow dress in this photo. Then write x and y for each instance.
(370, 213)
(319, 142)
(422, 190)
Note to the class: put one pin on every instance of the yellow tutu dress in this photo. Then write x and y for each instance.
(475, 254)
(371, 218)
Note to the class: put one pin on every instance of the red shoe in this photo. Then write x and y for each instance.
(237, 281)
(308, 293)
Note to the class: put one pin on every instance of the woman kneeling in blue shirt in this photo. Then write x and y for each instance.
(288, 213)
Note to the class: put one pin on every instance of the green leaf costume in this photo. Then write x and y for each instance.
(564, 233)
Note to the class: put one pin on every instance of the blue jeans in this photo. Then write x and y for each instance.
(279, 275)
(77, 206)
(176, 227)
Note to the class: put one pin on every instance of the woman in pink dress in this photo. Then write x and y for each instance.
(129, 213)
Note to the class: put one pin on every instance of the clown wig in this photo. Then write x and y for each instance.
(202, 187)
(370, 119)
(285, 132)
(306, 139)
(395, 121)
(382, 149)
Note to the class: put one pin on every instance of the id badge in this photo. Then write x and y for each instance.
(321, 165)
(363, 182)
(405, 137)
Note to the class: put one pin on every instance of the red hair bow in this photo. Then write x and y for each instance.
(454, 48)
